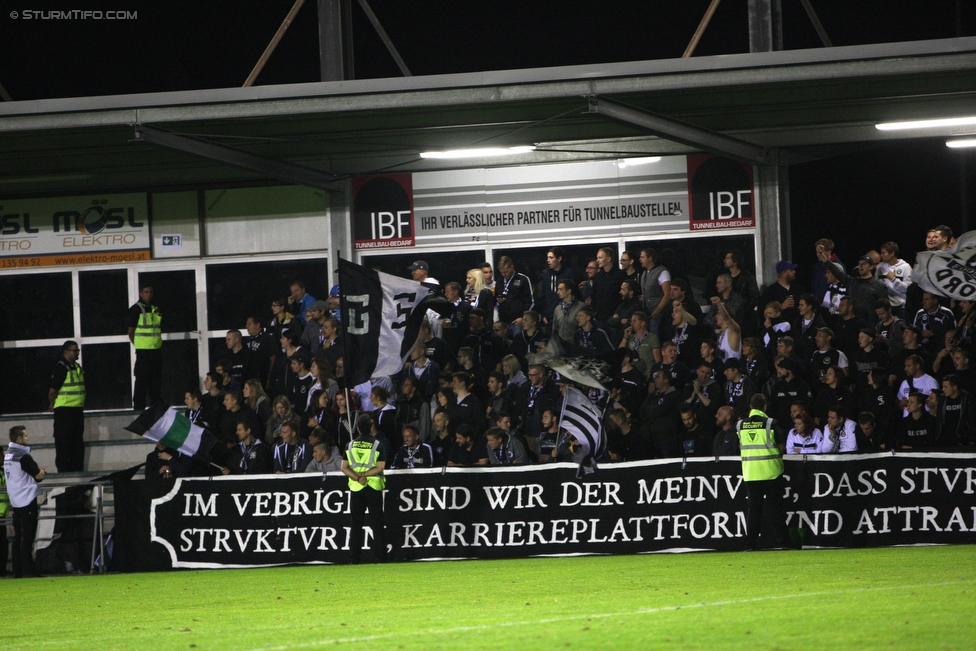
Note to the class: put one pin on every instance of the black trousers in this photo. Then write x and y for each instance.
(25, 530)
(360, 502)
(765, 499)
(149, 378)
(69, 439)
(4, 546)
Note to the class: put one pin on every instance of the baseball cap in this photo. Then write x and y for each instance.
(783, 265)
(419, 264)
(732, 362)
(826, 331)
(788, 364)
(303, 357)
(322, 306)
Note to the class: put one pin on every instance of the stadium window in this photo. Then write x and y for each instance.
(104, 299)
(107, 383)
(25, 378)
(175, 293)
(237, 290)
(216, 350)
(181, 369)
(36, 306)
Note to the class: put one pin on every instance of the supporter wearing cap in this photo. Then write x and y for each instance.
(420, 272)
(785, 290)
(739, 388)
(867, 357)
(334, 303)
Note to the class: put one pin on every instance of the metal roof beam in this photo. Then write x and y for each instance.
(684, 133)
(276, 169)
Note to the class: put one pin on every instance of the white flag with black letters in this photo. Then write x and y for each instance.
(381, 317)
(581, 418)
(949, 273)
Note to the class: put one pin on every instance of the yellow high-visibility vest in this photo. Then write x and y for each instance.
(72, 392)
(362, 457)
(148, 332)
(761, 459)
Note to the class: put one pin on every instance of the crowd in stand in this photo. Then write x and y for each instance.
(863, 360)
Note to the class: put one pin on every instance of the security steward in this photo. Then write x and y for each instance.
(145, 333)
(762, 471)
(364, 464)
(66, 398)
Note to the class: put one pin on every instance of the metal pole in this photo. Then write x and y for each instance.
(385, 38)
(273, 44)
(101, 528)
(701, 29)
(817, 25)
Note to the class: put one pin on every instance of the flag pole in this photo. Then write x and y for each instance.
(343, 317)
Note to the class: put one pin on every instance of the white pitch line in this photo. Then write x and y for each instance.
(551, 620)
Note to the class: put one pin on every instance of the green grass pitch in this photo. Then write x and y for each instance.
(900, 598)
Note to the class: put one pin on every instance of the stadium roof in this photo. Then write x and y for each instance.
(800, 104)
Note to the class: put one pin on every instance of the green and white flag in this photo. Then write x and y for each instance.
(163, 424)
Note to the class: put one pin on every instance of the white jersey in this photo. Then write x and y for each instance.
(923, 385)
(897, 287)
(846, 441)
(816, 443)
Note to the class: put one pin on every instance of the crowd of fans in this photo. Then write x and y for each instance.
(863, 360)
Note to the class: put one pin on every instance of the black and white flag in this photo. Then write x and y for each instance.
(581, 418)
(949, 273)
(381, 318)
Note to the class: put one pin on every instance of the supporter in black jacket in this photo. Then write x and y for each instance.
(513, 293)
(659, 416)
(533, 398)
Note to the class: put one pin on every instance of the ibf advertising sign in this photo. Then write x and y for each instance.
(720, 194)
(382, 212)
(74, 230)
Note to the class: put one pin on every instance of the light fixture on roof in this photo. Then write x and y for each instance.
(961, 143)
(484, 152)
(927, 124)
(634, 162)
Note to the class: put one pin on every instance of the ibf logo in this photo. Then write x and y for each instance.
(720, 193)
(383, 211)
(95, 219)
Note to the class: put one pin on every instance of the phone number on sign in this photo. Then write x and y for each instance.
(20, 262)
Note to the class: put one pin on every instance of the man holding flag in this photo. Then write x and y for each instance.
(581, 420)
(163, 424)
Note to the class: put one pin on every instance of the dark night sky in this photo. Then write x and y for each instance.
(180, 45)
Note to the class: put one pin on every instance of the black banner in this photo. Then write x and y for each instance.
(627, 508)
